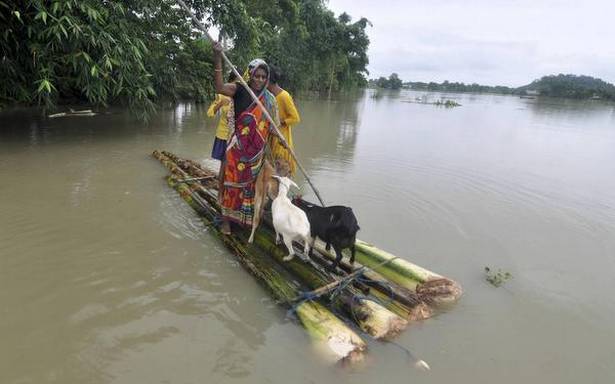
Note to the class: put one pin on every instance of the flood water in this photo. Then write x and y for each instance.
(107, 276)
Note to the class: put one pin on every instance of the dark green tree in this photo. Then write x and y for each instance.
(571, 86)
(138, 52)
(394, 81)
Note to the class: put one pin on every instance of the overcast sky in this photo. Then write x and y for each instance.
(491, 42)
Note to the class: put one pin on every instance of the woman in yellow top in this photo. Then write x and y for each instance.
(221, 104)
(289, 116)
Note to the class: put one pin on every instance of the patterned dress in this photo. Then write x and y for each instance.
(245, 154)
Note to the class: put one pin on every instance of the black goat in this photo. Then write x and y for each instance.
(336, 225)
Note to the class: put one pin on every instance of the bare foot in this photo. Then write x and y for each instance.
(225, 228)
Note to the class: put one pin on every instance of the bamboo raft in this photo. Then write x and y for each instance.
(378, 296)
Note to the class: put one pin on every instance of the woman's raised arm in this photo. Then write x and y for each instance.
(227, 89)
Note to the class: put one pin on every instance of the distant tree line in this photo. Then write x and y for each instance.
(569, 86)
(459, 87)
(141, 52)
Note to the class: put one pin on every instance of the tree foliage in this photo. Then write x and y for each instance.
(138, 52)
(447, 86)
(392, 82)
(315, 50)
(571, 86)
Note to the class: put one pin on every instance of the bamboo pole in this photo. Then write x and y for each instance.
(403, 267)
(276, 130)
(329, 333)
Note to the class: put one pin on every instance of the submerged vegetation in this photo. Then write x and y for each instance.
(141, 52)
(497, 278)
(447, 103)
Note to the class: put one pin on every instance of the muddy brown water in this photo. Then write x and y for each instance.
(107, 276)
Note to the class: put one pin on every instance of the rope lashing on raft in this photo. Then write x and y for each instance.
(363, 280)
(335, 288)
(418, 363)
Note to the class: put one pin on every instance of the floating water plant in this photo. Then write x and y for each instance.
(447, 103)
(497, 278)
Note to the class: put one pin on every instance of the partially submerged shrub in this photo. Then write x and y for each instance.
(497, 278)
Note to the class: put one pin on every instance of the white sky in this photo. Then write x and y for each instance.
(491, 42)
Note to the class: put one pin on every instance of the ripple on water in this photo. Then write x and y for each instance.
(179, 219)
(514, 192)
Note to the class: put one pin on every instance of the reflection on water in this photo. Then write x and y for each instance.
(107, 276)
(329, 130)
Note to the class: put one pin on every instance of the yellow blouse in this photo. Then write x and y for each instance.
(222, 131)
(288, 117)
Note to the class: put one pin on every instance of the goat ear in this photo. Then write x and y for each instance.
(277, 177)
(293, 183)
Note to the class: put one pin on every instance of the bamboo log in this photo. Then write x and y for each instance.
(328, 332)
(406, 269)
(409, 275)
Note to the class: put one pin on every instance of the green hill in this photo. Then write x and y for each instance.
(570, 86)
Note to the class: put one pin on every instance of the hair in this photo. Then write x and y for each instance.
(231, 77)
(264, 67)
(276, 74)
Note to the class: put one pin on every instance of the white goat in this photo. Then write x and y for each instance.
(289, 221)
